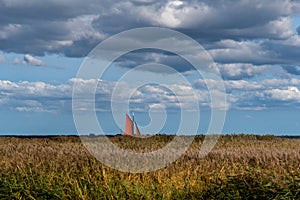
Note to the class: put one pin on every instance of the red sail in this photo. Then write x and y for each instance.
(137, 131)
(128, 126)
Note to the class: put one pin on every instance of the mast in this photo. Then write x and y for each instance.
(133, 122)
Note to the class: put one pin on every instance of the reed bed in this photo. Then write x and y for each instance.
(239, 167)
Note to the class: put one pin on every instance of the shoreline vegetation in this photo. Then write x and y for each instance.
(240, 166)
(118, 135)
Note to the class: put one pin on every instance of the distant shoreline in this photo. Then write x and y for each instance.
(118, 135)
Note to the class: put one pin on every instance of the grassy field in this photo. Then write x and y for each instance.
(239, 167)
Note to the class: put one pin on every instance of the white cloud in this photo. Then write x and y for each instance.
(82, 27)
(288, 94)
(229, 84)
(28, 60)
(17, 61)
(157, 107)
(242, 85)
(239, 70)
(176, 14)
(260, 94)
(2, 58)
(231, 51)
(241, 94)
(39, 96)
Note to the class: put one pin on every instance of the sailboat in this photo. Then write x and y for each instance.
(129, 126)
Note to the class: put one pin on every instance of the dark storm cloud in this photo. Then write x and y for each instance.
(250, 31)
(20, 12)
(206, 19)
(140, 57)
(207, 15)
(262, 52)
(47, 27)
(292, 69)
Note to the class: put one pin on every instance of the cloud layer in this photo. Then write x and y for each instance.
(248, 40)
(241, 95)
(243, 31)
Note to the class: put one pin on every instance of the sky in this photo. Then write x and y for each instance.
(254, 44)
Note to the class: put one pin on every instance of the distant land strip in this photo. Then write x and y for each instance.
(118, 135)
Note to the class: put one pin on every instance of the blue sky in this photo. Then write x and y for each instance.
(255, 45)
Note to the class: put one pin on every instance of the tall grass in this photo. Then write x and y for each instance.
(239, 167)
